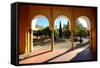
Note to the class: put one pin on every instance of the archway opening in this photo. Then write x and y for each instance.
(82, 33)
(40, 35)
(62, 33)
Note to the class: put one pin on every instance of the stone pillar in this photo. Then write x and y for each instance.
(73, 23)
(52, 29)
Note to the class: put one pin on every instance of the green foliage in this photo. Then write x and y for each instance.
(80, 30)
(38, 33)
(66, 33)
(46, 32)
(56, 33)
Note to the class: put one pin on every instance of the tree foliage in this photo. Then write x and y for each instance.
(66, 33)
(46, 31)
(80, 31)
(60, 30)
(43, 32)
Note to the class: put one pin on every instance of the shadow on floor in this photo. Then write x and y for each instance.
(79, 46)
(85, 55)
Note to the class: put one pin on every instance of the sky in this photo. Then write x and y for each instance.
(63, 21)
(42, 21)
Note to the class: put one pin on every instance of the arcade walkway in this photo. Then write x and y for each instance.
(77, 54)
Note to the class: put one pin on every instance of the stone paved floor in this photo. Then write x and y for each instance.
(60, 55)
(43, 57)
(69, 55)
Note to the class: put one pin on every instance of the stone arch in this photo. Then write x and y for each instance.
(87, 21)
(38, 16)
(63, 16)
(64, 20)
(32, 21)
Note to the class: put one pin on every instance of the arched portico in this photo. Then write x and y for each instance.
(30, 12)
